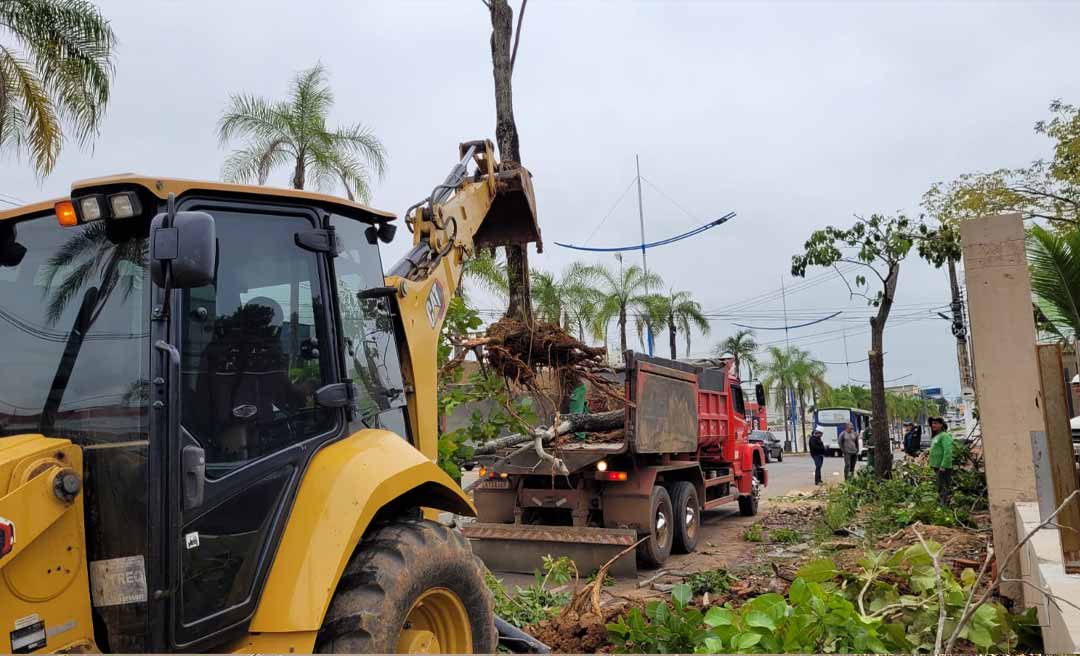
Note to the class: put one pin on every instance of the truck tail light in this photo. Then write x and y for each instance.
(611, 476)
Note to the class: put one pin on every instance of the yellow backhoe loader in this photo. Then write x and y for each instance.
(218, 418)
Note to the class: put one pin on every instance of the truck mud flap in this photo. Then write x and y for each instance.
(521, 548)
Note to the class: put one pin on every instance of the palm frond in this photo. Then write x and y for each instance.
(1054, 262)
(255, 163)
(41, 133)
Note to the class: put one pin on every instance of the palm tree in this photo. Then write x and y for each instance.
(809, 375)
(778, 377)
(562, 299)
(55, 73)
(618, 293)
(743, 348)
(1054, 261)
(678, 311)
(488, 271)
(294, 133)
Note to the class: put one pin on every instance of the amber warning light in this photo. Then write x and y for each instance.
(65, 213)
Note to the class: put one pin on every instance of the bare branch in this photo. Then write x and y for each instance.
(850, 289)
(486, 4)
(517, 35)
(969, 608)
(868, 266)
(936, 556)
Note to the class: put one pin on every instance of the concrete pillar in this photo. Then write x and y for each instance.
(1006, 372)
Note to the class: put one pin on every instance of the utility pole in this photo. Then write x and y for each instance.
(644, 261)
(793, 440)
(963, 359)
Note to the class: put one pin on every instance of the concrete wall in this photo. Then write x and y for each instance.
(1041, 565)
(1007, 374)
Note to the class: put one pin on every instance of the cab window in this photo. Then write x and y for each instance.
(251, 355)
(368, 329)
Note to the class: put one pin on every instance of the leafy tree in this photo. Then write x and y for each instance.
(1054, 262)
(55, 73)
(778, 376)
(879, 244)
(848, 396)
(743, 347)
(678, 312)
(809, 375)
(620, 292)
(294, 133)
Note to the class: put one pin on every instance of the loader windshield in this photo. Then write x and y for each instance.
(74, 330)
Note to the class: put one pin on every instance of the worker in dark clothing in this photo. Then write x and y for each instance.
(817, 452)
(912, 437)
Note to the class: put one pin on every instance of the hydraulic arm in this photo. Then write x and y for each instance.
(494, 206)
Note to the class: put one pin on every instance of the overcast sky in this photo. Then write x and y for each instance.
(794, 115)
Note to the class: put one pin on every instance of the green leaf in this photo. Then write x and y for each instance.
(760, 620)
(714, 645)
(717, 616)
(967, 577)
(818, 571)
(980, 637)
(682, 594)
(746, 640)
(799, 591)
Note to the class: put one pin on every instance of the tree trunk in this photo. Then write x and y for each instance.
(299, 173)
(738, 369)
(506, 135)
(671, 338)
(880, 422)
(622, 330)
(967, 381)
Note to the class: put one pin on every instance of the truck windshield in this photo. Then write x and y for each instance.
(74, 330)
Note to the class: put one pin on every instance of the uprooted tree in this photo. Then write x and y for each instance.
(878, 244)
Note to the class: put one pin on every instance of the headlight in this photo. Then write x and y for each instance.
(601, 466)
(90, 208)
(125, 205)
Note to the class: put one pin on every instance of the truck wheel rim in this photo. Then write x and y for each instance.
(437, 623)
(661, 527)
(691, 519)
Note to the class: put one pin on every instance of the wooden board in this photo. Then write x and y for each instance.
(1060, 450)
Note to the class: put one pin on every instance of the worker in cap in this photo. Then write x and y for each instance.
(817, 452)
(942, 452)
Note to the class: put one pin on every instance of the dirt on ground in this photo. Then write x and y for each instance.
(572, 633)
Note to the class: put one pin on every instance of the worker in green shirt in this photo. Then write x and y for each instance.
(942, 449)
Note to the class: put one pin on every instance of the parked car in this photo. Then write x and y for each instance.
(774, 448)
(1075, 424)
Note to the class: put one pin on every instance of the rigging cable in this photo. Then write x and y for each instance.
(663, 242)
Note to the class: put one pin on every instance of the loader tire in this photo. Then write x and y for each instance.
(411, 585)
(656, 548)
(684, 500)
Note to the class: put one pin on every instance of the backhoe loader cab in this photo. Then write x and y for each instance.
(215, 429)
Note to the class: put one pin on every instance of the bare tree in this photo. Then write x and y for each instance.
(504, 45)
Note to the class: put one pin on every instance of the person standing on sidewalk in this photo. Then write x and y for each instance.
(849, 447)
(817, 452)
(942, 449)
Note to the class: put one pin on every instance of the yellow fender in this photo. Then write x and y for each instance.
(344, 486)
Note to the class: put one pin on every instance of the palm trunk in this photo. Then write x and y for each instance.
(299, 173)
(787, 435)
(880, 421)
(802, 417)
(622, 330)
(671, 337)
(506, 134)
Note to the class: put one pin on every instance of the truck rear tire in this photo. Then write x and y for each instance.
(412, 585)
(687, 511)
(748, 505)
(656, 548)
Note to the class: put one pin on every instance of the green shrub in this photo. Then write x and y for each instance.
(754, 533)
(889, 606)
(785, 536)
(535, 603)
(716, 581)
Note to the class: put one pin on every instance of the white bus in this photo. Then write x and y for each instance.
(831, 422)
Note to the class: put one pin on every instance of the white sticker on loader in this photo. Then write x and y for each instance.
(191, 540)
(118, 581)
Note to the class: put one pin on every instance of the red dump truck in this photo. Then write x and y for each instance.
(682, 449)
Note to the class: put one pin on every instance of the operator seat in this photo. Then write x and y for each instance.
(243, 384)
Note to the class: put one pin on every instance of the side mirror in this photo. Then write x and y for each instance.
(190, 244)
(759, 395)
